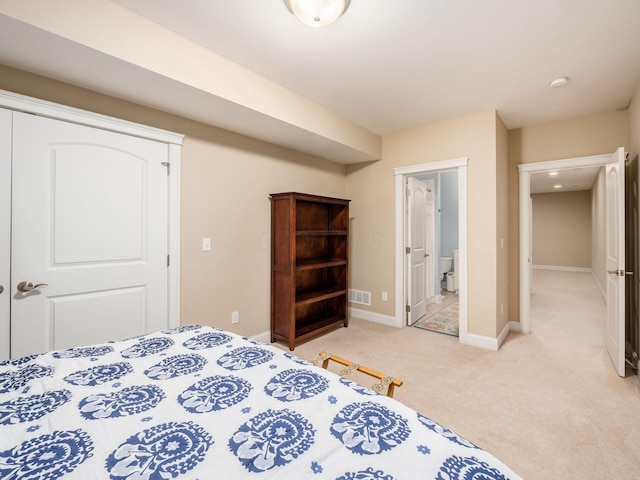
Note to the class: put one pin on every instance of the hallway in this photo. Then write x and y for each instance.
(567, 308)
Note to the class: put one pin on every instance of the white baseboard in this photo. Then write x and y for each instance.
(602, 292)
(489, 343)
(515, 326)
(563, 269)
(373, 317)
(481, 341)
(264, 337)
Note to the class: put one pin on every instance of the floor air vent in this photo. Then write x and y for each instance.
(359, 296)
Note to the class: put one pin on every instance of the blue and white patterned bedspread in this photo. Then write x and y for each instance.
(201, 403)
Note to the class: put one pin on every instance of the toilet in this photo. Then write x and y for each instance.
(445, 267)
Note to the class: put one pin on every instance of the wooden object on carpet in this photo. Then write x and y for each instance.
(384, 380)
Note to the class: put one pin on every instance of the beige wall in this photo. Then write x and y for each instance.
(213, 84)
(372, 190)
(502, 224)
(578, 137)
(226, 180)
(562, 229)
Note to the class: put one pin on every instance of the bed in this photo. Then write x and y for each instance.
(196, 402)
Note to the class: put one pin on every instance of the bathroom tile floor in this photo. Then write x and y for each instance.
(448, 299)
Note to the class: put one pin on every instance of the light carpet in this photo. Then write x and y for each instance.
(548, 404)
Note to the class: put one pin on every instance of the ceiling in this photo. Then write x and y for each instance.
(570, 180)
(385, 66)
(390, 65)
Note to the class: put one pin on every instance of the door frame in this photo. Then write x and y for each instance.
(14, 101)
(524, 171)
(401, 173)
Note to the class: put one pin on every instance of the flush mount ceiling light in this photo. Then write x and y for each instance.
(554, 174)
(557, 186)
(559, 82)
(317, 13)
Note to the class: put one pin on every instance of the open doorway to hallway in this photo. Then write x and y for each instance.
(607, 234)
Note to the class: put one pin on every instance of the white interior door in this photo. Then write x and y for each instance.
(416, 239)
(90, 224)
(5, 231)
(430, 241)
(614, 331)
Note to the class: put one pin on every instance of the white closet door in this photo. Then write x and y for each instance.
(5, 231)
(90, 224)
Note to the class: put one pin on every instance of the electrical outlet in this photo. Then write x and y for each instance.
(235, 317)
(385, 297)
(206, 244)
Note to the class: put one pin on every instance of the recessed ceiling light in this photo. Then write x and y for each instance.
(559, 82)
(557, 186)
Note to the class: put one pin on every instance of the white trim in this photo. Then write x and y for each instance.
(525, 221)
(562, 269)
(602, 292)
(481, 341)
(14, 101)
(503, 334)
(372, 317)
(564, 164)
(400, 291)
(489, 343)
(514, 326)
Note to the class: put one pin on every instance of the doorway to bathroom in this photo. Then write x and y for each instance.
(431, 224)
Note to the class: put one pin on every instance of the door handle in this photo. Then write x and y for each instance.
(620, 273)
(25, 287)
(1, 288)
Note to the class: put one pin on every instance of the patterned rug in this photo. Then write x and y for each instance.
(445, 321)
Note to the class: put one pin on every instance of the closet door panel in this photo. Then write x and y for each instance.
(90, 223)
(5, 230)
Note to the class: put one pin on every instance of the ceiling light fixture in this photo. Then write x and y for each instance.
(317, 13)
(557, 186)
(554, 174)
(559, 82)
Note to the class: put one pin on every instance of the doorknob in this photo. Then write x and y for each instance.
(28, 286)
(620, 273)
(1, 288)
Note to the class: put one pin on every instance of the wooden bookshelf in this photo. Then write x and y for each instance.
(309, 265)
